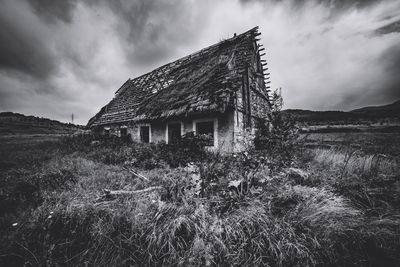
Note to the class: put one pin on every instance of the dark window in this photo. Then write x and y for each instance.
(174, 132)
(145, 134)
(107, 132)
(124, 131)
(206, 130)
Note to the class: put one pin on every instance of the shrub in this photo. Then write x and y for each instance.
(116, 150)
(277, 134)
(278, 138)
(190, 148)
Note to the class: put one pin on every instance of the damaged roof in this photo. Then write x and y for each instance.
(205, 81)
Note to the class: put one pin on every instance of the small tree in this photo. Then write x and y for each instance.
(277, 133)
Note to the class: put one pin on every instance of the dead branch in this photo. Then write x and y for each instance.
(103, 202)
(137, 174)
(112, 194)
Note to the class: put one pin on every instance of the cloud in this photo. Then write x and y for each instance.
(391, 58)
(52, 10)
(23, 45)
(63, 57)
(389, 28)
(153, 30)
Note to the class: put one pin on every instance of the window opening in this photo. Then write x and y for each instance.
(174, 132)
(145, 134)
(205, 130)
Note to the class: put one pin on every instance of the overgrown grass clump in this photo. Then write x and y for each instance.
(133, 231)
(338, 209)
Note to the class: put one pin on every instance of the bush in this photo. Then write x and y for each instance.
(190, 148)
(277, 134)
(277, 138)
(116, 150)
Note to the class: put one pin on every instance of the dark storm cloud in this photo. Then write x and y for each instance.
(384, 90)
(339, 4)
(151, 28)
(23, 47)
(135, 13)
(387, 88)
(389, 28)
(52, 10)
(391, 59)
(143, 26)
(342, 4)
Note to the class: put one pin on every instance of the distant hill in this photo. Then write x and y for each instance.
(365, 115)
(391, 110)
(15, 123)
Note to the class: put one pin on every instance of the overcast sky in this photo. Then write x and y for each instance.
(63, 57)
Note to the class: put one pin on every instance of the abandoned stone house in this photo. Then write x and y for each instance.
(217, 92)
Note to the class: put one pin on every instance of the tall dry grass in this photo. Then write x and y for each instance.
(344, 211)
(283, 225)
(353, 161)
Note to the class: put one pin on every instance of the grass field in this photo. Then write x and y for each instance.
(369, 142)
(329, 207)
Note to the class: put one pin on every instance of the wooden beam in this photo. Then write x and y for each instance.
(261, 49)
(263, 54)
(259, 93)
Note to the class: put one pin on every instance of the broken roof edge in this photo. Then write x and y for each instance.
(175, 116)
(104, 108)
(123, 86)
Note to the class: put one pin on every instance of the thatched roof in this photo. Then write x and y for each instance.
(205, 81)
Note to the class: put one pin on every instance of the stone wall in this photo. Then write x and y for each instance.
(243, 137)
(226, 133)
